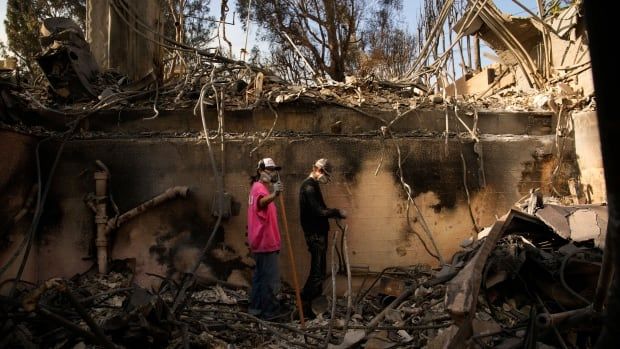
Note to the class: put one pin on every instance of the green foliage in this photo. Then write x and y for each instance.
(323, 30)
(388, 47)
(195, 18)
(336, 37)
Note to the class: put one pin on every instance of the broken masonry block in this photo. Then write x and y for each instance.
(66, 59)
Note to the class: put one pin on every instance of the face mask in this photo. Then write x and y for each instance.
(323, 179)
(265, 177)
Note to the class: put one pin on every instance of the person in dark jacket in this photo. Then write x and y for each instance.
(314, 216)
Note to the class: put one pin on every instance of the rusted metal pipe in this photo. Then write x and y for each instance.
(375, 321)
(169, 194)
(557, 333)
(546, 320)
(105, 225)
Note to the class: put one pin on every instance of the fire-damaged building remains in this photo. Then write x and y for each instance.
(477, 211)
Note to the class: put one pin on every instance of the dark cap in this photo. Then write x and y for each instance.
(324, 165)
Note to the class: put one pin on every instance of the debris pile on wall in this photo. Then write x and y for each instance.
(532, 74)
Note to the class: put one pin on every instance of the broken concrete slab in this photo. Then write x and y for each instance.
(577, 223)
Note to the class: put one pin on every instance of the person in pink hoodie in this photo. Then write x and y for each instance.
(264, 240)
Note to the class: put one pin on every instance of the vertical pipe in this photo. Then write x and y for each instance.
(101, 220)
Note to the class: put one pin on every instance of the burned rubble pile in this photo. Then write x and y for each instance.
(107, 310)
(530, 280)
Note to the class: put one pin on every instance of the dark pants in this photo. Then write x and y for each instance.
(265, 285)
(317, 246)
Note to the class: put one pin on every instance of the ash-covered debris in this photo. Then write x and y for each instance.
(520, 284)
(125, 315)
(66, 60)
(528, 285)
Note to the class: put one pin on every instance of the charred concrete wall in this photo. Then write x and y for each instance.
(589, 157)
(384, 230)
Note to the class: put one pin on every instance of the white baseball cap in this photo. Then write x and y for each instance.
(268, 163)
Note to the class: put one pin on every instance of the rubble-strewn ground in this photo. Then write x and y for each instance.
(536, 289)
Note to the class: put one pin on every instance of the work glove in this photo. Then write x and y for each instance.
(342, 214)
(278, 187)
(336, 213)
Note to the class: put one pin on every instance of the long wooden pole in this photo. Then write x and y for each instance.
(293, 266)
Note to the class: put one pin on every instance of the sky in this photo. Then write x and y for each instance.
(3, 17)
(236, 34)
(411, 8)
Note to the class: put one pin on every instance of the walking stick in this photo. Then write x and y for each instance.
(293, 266)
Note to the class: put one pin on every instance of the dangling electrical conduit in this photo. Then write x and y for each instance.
(385, 131)
(472, 133)
(275, 120)
(220, 191)
(332, 315)
(410, 200)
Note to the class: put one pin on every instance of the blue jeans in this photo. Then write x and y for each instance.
(265, 285)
